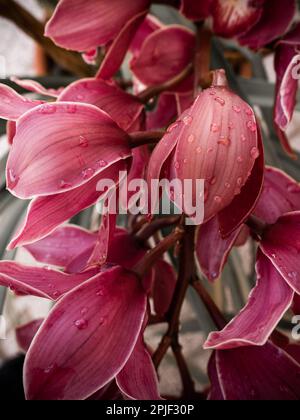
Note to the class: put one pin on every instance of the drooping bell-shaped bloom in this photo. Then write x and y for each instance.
(217, 140)
(85, 25)
(164, 54)
(287, 77)
(254, 373)
(280, 195)
(277, 268)
(82, 25)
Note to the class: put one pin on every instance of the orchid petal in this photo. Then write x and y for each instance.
(275, 20)
(215, 393)
(231, 19)
(244, 203)
(76, 352)
(281, 245)
(296, 305)
(25, 333)
(62, 246)
(164, 54)
(267, 304)
(212, 146)
(118, 49)
(13, 105)
(82, 25)
(149, 25)
(90, 57)
(58, 148)
(164, 113)
(39, 281)
(163, 287)
(212, 250)
(45, 214)
(36, 87)
(138, 379)
(122, 107)
(196, 10)
(258, 373)
(11, 129)
(280, 195)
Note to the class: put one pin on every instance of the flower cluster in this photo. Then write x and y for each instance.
(108, 284)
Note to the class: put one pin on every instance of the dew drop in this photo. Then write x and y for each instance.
(293, 188)
(218, 199)
(252, 126)
(243, 138)
(236, 109)
(84, 311)
(199, 150)
(239, 181)
(83, 141)
(191, 138)
(249, 112)
(88, 173)
(100, 292)
(177, 165)
(81, 324)
(188, 120)
(213, 181)
(240, 159)
(185, 161)
(210, 150)
(55, 294)
(101, 163)
(231, 125)
(254, 153)
(224, 141)
(220, 100)
(215, 128)
(227, 185)
(47, 109)
(212, 92)
(49, 369)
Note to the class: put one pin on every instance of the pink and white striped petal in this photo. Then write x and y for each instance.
(76, 352)
(13, 105)
(61, 146)
(267, 304)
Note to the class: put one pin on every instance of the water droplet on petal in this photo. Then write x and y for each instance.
(83, 141)
(213, 181)
(224, 141)
(215, 128)
(231, 125)
(218, 199)
(254, 153)
(177, 165)
(49, 369)
(55, 294)
(185, 161)
(84, 311)
(239, 181)
(81, 324)
(243, 138)
(199, 150)
(100, 292)
(249, 111)
(252, 126)
(47, 109)
(88, 173)
(102, 163)
(293, 188)
(210, 150)
(188, 120)
(227, 185)
(236, 109)
(240, 159)
(191, 139)
(220, 101)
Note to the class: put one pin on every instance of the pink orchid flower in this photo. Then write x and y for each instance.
(60, 194)
(277, 266)
(95, 299)
(248, 374)
(217, 140)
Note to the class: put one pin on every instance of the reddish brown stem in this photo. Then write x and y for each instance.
(153, 91)
(202, 57)
(186, 272)
(150, 229)
(154, 254)
(186, 379)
